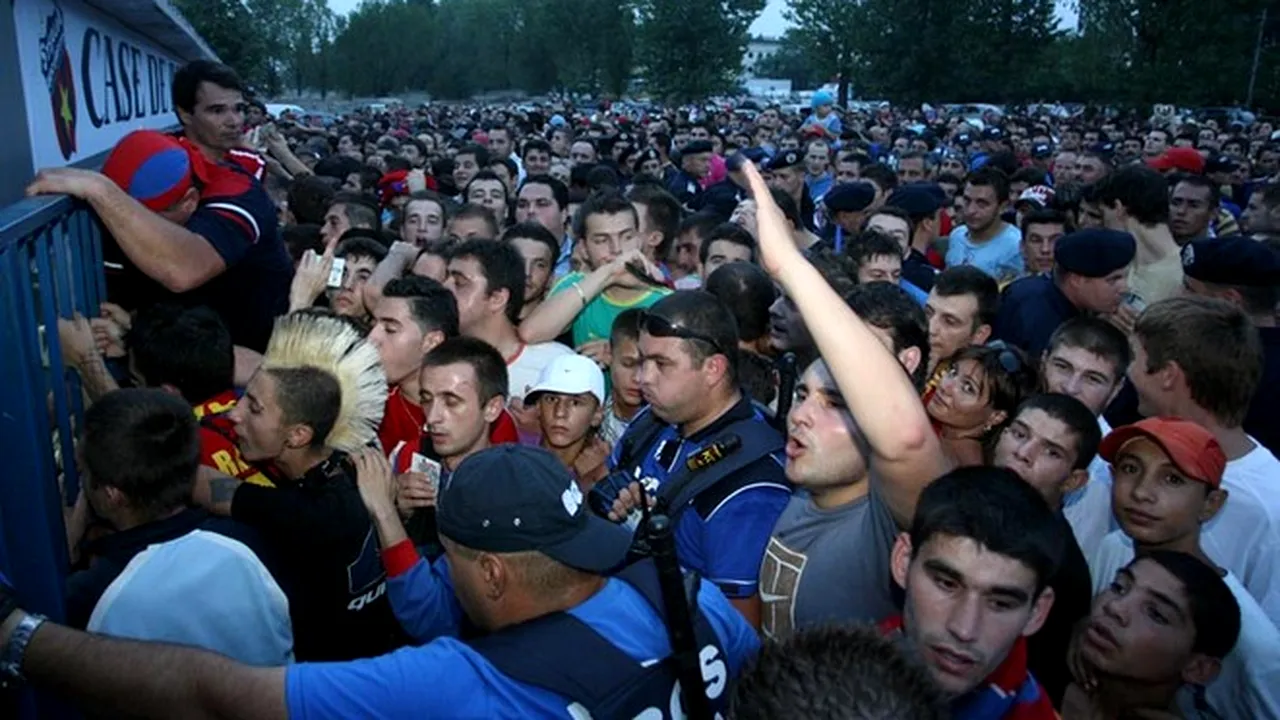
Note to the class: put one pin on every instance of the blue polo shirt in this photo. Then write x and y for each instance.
(446, 678)
(727, 545)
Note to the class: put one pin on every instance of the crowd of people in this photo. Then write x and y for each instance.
(951, 418)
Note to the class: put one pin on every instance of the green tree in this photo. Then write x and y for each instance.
(793, 61)
(692, 50)
(229, 29)
(825, 32)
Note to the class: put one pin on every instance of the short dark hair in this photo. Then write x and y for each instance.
(889, 307)
(186, 82)
(559, 190)
(309, 198)
(662, 211)
(535, 232)
(994, 178)
(476, 211)
(361, 210)
(748, 292)
(479, 152)
(431, 304)
(1143, 192)
(358, 243)
(850, 672)
(1201, 182)
(605, 202)
(701, 312)
(484, 359)
(1095, 336)
(298, 239)
(502, 268)
(145, 443)
(1215, 613)
(969, 280)
(1072, 413)
(626, 326)
(998, 510)
(441, 201)
(870, 244)
(1046, 216)
(187, 348)
(880, 174)
(1031, 176)
(700, 224)
(727, 232)
(535, 144)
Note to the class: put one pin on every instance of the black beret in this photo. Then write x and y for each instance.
(783, 160)
(696, 147)
(915, 200)
(1220, 163)
(1041, 150)
(850, 197)
(1094, 252)
(1231, 260)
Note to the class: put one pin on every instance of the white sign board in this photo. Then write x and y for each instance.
(87, 80)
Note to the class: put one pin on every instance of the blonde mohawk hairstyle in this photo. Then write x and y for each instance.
(331, 345)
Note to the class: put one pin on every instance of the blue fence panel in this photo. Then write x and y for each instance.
(50, 267)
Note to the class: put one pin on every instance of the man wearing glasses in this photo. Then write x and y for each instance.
(702, 447)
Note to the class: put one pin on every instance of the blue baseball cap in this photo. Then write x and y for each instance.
(514, 498)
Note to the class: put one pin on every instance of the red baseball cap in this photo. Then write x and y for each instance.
(153, 167)
(1191, 448)
(1179, 158)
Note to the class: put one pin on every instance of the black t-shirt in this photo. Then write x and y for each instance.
(331, 567)
(237, 218)
(111, 554)
(1072, 596)
(1263, 420)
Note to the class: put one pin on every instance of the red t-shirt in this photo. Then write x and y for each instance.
(403, 422)
(218, 447)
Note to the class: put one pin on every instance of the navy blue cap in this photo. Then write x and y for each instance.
(696, 147)
(787, 159)
(1041, 150)
(1220, 163)
(516, 498)
(756, 155)
(964, 139)
(1231, 260)
(850, 197)
(992, 133)
(916, 200)
(1094, 252)
(1106, 148)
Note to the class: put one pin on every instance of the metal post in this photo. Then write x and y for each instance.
(1257, 58)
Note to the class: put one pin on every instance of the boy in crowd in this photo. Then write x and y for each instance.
(1050, 443)
(1167, 484)
(1165, 623)
(569, 398)
(625, 400)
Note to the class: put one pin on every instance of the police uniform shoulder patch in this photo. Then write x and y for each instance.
(1188, 255)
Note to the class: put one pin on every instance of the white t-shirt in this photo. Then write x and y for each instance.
(523, 372)
(1088, 509)
(1248, 685)
(1245, 535)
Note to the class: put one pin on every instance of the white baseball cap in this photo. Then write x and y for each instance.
(569, 375)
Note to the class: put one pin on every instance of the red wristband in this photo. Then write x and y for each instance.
(398, 558)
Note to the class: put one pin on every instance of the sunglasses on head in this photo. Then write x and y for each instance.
(1009, 359)
(658, 326)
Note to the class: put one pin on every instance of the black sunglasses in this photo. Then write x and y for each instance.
(1008, 359)
(658, 326)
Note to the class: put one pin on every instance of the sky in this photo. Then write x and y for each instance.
(769, 24)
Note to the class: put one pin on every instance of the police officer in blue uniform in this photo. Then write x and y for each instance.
(695, 165)
(526, 561)
(1246, 273)
(847, 206)
(702, 448)
(1089, 276)
(921, 202)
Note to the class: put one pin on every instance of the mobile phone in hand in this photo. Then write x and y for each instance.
(335, 272)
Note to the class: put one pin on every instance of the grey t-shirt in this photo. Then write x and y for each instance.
(828, 566)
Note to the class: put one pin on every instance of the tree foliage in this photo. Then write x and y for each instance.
(692, 50)
(826, 33)
(794, 61)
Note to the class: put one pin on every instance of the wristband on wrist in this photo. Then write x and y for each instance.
(15, 649)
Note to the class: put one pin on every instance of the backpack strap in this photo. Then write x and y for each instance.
(640, 434)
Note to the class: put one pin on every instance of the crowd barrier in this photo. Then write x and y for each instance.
(50, 267)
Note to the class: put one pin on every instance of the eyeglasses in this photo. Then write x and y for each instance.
(658, 326)
(1009, 360)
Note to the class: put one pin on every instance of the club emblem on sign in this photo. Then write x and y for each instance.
(55, 66)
